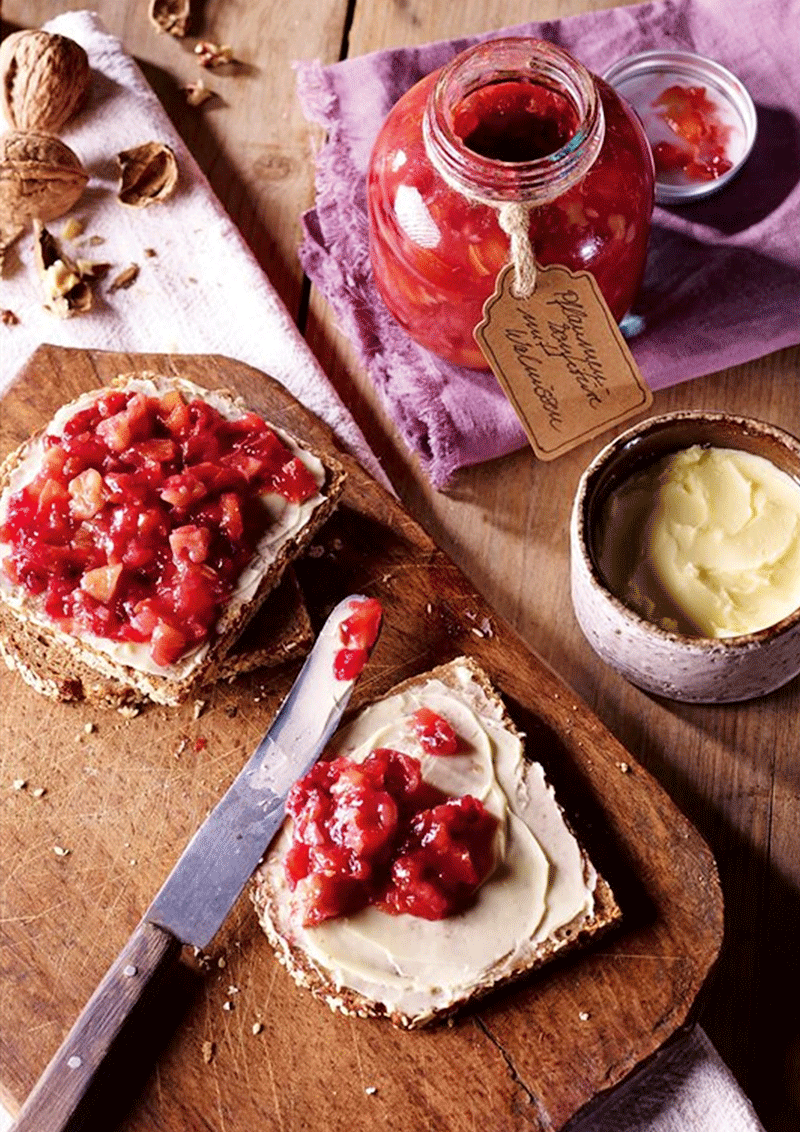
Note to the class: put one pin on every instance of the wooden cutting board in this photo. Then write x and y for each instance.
(124, 795)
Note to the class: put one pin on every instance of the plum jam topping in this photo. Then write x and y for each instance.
(375, 833)
(702, 138)
(144, 513)
(436, 734)
(358, 634)
(514, 121)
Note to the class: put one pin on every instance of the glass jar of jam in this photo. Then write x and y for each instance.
(509, 120)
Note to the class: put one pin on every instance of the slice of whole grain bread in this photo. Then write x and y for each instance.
(67, 666)
(280, 631)
(293, 944)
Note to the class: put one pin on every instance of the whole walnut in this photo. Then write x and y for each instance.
(45, 78)
(40, 178)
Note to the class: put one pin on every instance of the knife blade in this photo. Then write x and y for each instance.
(212, 871)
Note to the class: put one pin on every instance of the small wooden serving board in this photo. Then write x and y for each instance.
(123, 796)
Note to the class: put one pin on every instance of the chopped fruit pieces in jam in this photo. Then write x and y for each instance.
(436, 253)
(360, 629)
(349, 663)
(694, 118)
(515, 121)
(144, 512)
(376, 833)
(358, 634)
(434, 733)
(445, 854)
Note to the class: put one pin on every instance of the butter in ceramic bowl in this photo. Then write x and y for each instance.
(685, 547)
(706, 541)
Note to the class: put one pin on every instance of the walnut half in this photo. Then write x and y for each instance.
(149, 173)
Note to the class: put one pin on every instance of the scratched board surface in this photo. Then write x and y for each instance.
(234, 1045)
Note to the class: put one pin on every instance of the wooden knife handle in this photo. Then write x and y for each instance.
(53, 1105)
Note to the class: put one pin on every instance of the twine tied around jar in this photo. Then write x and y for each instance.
(514, 218)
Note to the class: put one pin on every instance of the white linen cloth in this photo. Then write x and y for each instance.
(686, 1088)
(204, 293)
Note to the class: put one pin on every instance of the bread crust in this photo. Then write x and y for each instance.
(281, 631)
(308, 974)
(61, 665)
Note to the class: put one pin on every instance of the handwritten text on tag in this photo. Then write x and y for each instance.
(561, 359)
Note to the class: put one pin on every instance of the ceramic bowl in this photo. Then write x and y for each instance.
(669, 664)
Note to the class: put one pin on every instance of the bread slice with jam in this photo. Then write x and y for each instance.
(279, 632)
(142, 530)
(404, 953)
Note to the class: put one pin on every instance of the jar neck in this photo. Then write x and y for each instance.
(491, 181)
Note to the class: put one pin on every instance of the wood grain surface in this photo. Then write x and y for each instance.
(64, 1097)
(124, 795)
(734, 771)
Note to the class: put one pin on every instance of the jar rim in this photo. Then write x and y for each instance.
(490, 180)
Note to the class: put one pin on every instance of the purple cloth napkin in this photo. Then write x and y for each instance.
(722, 284)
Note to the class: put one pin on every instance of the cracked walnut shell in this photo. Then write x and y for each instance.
(40, 177)
(45, 78)
(66, 283)
(170, 15)
(148, 173)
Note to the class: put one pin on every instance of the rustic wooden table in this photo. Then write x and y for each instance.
(735, 770)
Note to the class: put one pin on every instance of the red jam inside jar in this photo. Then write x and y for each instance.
(514, 121)
(143, 514)
(375, 833)
(508, 120)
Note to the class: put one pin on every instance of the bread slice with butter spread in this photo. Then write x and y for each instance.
(542, 897)
(279, 632)
(64, 658)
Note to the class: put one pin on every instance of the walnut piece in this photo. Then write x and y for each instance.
(66, 283)
(45, 79)
(213, 54)
(149, 173)
(72, 229)
(126, 278)
(170, 15)
(9, 233)
(197, 93)
(40, 178)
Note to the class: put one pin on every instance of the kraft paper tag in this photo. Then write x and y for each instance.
(560, 358)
